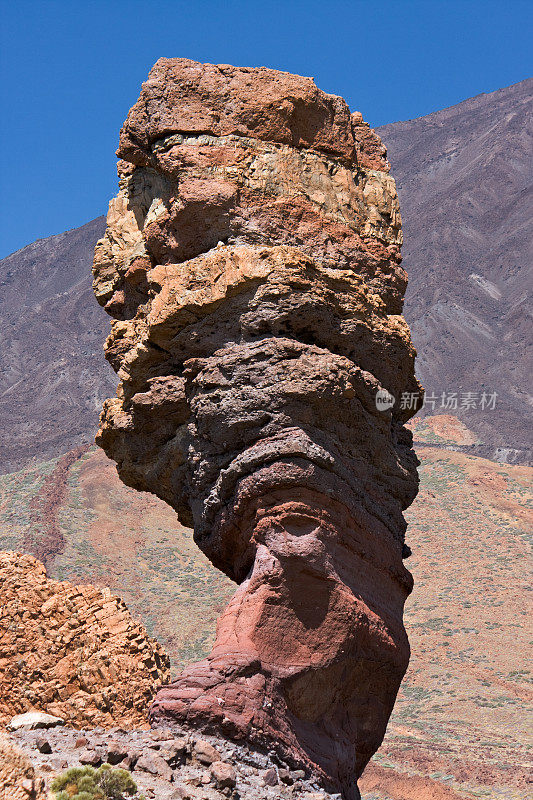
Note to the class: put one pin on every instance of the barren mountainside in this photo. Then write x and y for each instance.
(52, 374)
(465, 182)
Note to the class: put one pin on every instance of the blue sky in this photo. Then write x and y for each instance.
(71, 70)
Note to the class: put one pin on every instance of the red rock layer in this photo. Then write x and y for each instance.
(252, 264)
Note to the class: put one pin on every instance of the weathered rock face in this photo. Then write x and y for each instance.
(252, 264)
(73, 651)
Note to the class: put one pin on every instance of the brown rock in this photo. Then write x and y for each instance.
(161, 734)
(221, 100)
(91, 758)
(58, 764)
(174, 752)
(129, 761)
(285, 776)
(270, 777)
(81, 741)
(116, 752)
(43, 745)
(205, 752)
(155, 765)
(72, 651)
(223, 774)
(252, 264)
(181, 793)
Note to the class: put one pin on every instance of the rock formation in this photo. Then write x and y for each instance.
(17, 775)
(252, 265)
(73, 651)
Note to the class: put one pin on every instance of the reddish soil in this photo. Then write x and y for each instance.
(402, 786)
(441, 429)
(45, 540)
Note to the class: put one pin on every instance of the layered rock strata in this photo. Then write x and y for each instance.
(252, 265)
(72, 651)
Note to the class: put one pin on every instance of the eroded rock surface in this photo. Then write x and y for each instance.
(252, 264)
(72, 651)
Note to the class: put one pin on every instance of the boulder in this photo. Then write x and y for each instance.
(92, 758)
(174, 752)
(270, 777)
(223, 775)
(43, 745)
(116, 752)
(32, 720)
(205, 752)
(155, 765)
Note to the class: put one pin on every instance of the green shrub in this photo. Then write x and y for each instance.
(87, 783)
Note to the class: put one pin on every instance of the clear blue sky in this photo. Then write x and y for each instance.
(71, 69)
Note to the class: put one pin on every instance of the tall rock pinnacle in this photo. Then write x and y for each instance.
(252, 265)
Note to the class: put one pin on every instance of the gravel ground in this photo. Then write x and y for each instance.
(171, 764)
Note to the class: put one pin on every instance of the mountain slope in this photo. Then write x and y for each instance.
(53, 377)
(465, 181)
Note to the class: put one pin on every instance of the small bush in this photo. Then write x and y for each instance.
(87, 783)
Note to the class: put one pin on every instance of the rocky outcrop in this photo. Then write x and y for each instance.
(73, 651)
(17, 774)
(252, 264)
